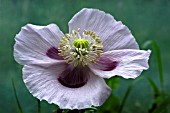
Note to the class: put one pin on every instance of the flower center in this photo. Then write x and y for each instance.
(81, 43)
(80, 49)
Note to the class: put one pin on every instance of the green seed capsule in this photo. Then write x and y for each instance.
(81, 43)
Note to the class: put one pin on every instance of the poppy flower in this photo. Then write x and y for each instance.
(69, 70)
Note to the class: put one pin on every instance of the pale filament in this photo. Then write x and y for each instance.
(80, 50)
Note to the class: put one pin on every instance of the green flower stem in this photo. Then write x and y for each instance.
(39, 106)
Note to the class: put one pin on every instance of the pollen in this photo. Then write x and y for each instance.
(80, 49)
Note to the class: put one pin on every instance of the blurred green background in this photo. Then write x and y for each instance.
(147, 19)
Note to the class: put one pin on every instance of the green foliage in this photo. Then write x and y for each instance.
(157, 94)
(111, 105)
(113, 83)
(153, 86)
(158, 58)
(16, 97)
(160, 101)
(162, 107)
(127, 93)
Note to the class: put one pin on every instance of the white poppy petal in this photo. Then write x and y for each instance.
(114, 35)
(37, 44)
(126, 63)
(43, 84)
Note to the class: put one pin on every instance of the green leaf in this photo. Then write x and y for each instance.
(16, 97)
(113, 83)
(111, 105)
(162, 106)
(158, 58)
(153, 86)
(127, 94)
(90, 110)
(157, 95)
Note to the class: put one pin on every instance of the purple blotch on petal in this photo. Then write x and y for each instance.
(53, 53)
(106, 64)
(74, 77)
